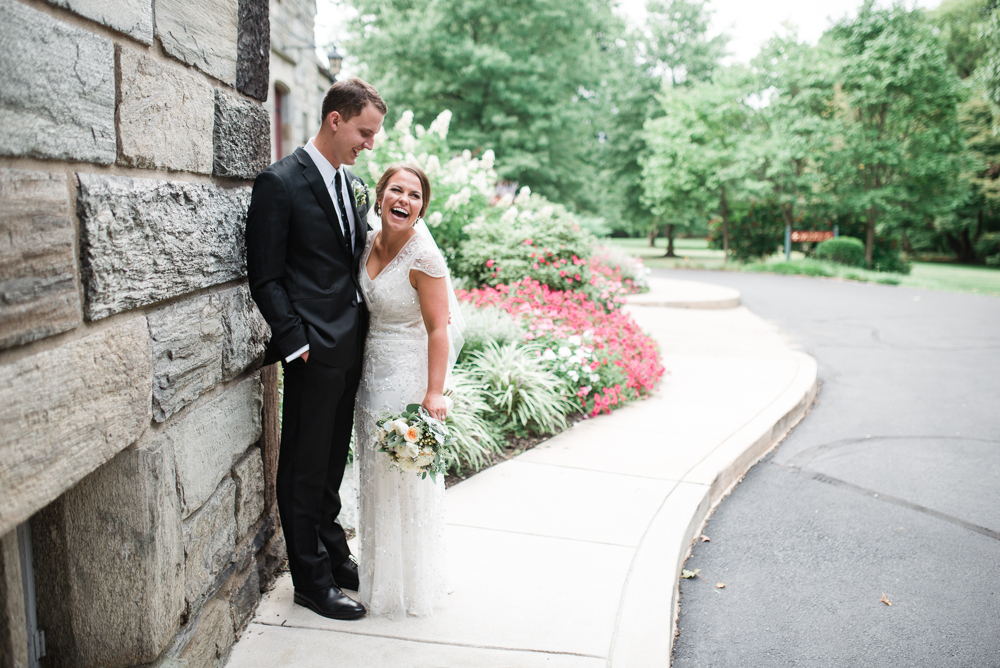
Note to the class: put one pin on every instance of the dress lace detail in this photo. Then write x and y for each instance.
(402, 559)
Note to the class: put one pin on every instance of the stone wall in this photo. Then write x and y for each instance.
(295, 67)
(136, 428)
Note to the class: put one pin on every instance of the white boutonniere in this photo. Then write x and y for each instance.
(360, 193)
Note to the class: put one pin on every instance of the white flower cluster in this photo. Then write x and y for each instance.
(573, 360)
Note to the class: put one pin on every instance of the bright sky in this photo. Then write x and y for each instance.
(749, 23)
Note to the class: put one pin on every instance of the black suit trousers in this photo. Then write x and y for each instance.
(317, 420)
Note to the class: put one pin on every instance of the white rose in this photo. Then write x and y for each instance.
(400, 426)
(412, 451)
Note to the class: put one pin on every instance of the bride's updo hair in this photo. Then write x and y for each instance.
(425, 186)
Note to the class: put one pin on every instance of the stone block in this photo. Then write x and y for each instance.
(244, 595)
(211, 438)
(57, 92)
(203, 34)
(245, 332)
(68, 410)
(13, 628)
(212, 642)
(131, 17)
(109, 563)
(38, 293)
(209, 539)
(254, 42)
(143, 240)
(187, 353)
(249, 476)
(241, 137)
(165, 115)
(270, 442)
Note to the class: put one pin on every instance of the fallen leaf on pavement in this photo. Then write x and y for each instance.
(703, 538)
(687, 575)
(885, 600)
(720, 585)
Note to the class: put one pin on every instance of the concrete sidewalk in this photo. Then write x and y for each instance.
(570, 554)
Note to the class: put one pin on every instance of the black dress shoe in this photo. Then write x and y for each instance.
(346, 575)
(331, 603)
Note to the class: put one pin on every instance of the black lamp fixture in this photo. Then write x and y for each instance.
(335, 59)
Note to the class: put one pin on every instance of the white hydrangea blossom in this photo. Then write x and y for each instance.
(459, 199)
(505, 201)
(523, 196)
(408, 143)
(546, 211)
(420, 131)
(509, 216)
(489, 157)
(404, 122)
(440, 124)
(432, 166)
(434, 219)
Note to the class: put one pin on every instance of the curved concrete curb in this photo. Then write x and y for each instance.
(686, 294)
(639, 639)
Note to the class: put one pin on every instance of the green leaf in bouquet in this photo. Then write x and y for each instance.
(413, 408)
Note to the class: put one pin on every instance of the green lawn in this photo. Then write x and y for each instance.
(695, 254)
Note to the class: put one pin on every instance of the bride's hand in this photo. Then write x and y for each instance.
(435, 404)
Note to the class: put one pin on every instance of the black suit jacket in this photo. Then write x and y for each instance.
(302, 274)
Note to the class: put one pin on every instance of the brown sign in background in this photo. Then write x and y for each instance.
(799, 236)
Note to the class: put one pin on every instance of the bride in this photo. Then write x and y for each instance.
(408, 353)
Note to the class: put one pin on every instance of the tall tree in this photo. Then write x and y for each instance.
(677, 40)
(901, 144)
(671, 49)
(520, 76)
(697, 159)
(792, 131)
(959, 23)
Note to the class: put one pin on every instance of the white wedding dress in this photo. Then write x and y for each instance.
(401, 523)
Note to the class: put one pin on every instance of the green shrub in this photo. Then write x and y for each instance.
(527, 396)
(475, 435)
(485, 324)
(988, 248)
(527, 236)
(843, 250)
(886, 257)
(754, 236)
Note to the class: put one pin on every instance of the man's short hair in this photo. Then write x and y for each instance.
(350, 97)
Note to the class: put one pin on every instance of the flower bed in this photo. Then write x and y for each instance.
(600, 352)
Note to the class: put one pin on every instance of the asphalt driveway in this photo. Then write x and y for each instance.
(888, 491)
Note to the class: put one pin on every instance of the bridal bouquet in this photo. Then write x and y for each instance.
(413, 440)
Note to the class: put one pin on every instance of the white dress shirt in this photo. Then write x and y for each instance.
(329, 174)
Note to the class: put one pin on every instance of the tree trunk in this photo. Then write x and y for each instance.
(906, 242)
(870, 237)
(651, 235)
(670, 241)
(724, 208)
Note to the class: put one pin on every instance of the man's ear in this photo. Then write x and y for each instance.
(333, 119)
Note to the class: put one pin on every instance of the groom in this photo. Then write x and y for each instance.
(305, 234)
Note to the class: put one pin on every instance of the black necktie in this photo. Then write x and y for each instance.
(342, 209)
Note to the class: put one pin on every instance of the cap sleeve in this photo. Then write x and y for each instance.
(429, 261)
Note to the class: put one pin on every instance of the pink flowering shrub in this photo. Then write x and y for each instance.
(600, 352)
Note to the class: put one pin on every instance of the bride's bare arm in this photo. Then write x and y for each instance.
(433, 294)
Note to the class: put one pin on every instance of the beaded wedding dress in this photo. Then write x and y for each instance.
(401, 523)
